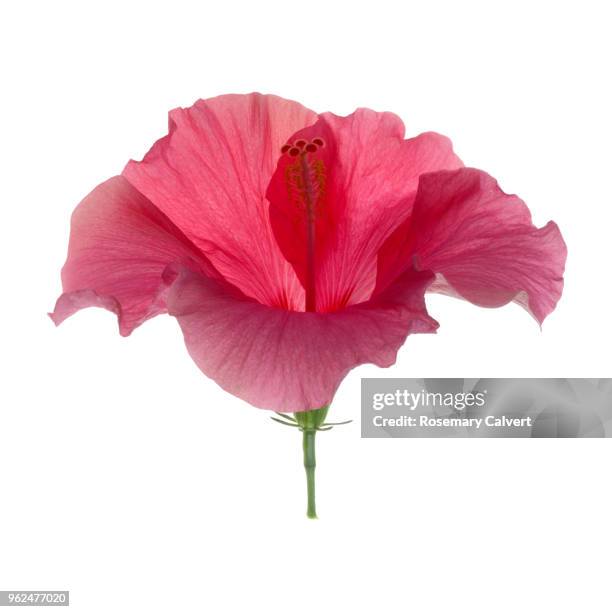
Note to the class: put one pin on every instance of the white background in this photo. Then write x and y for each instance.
(129, 478)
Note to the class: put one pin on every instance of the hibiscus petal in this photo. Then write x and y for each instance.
(291, 361)
(481, 242)
(119, 246)
(209, 176)
(363, 180)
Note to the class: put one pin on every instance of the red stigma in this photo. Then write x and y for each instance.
(301, 146)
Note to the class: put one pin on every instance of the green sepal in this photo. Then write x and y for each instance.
(287, 423)
(311, 420)
(286, 416)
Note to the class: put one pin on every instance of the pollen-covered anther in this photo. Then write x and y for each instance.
(305, 182)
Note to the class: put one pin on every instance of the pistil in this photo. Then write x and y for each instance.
(305, 180)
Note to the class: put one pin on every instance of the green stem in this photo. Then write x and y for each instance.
(309, 422)
(310, 463)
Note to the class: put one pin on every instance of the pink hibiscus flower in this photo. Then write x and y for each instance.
(292, 247)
